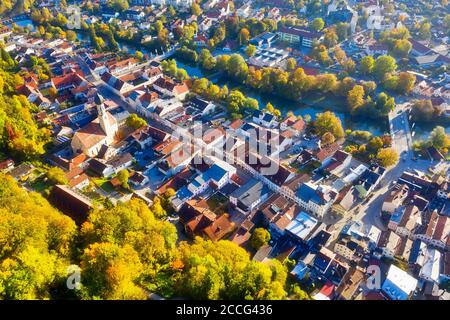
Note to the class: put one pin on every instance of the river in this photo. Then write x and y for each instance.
(309, 106)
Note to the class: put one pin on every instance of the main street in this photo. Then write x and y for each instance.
(370, 212)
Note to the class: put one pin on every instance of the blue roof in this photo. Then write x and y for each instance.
(393, 291)
(321, 262)
(184, 193)
(256, 113)
(247, 127)
(398, 284)
(398, 215)
(268, 117)
(215, 173)
(416, 249)
(370, 177)
(300, 270)
(306, 193)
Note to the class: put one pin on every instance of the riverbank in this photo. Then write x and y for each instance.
(310, 104)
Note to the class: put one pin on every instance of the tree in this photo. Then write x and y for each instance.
(320, 53)
(206, 59)
(222, 62)
(317, 24)
(186, 54)
(327, 138)
(384, 104)
(250, 50)
(119, 5)
(340, 55)
(331, 38)
(135, 122)
(123, 177)
(342, 30)
(195, 9)
(291, 64)
(440, 139)
(157, 208)
(387, 157)
(20, 135)
(128, 237)
(329, 122)
(383, 65)
(57, 176)
(171, 11)
(369, 87)
(244, 36)
(170, 193)
(349, 65)
(326, 82)
(237, 67)
(355, 98)
(139, 55)
(425, 31)
(200, 86)
(110, 271)
(35, 243)
(181, 75)
(402, 48)
(446, 22)
(223, 270)
(260, 237)
(71, 35)
(424, 111)
(296, 293)
(53, 92)
(405, 82)
(375, 144)
(61, 20)
(367, 65)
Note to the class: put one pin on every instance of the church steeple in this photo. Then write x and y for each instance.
(102, 115)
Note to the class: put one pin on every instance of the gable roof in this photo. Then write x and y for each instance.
(219, 228)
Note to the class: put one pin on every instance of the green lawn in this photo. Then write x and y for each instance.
(40, 185)
(308, 168)
(217, 204)
(104, 184)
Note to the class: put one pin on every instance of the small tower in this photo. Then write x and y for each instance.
(103, 116)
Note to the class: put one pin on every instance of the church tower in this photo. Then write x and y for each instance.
(103, 116)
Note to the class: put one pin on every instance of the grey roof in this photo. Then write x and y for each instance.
(250, 192)
(199, 103)
(427, 59)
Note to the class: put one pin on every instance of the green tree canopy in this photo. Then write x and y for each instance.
(329, 122)
(317, 24)
(223, 270)
(35, 243)
(259, 238)
(387, 157)
(57, 176)
(135, 122)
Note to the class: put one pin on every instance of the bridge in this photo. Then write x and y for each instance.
(166, 54)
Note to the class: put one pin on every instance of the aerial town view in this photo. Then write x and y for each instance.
(225, 150)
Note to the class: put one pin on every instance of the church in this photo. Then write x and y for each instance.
(93, 136)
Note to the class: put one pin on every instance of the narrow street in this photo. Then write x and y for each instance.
(370, 212)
